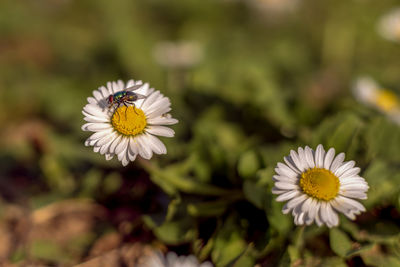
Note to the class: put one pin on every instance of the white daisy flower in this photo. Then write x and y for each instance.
(369, 92)
(318, 185)
(389, 25)
(128, 130)
(172, 260)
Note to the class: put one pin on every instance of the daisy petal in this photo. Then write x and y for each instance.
(284, 170)
(346, 166)
(120, 148)
(337, 162)
(95, 127)
(309, 157)
(109, 156)
(350, 173)
(287, 195)
(289, 162)
(144, 150)
(162, 121)
(156, 145)
(319, 156)
(286, 186)
(161, 131)
(329, 158)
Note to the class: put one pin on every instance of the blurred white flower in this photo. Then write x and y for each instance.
(128, 130)
(183, 54)
(172, 260)
(318, 186)
(369, 92)
(389, 25)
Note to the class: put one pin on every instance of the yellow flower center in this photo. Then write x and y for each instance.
(387, 100)
(320, 183)
(129, 120)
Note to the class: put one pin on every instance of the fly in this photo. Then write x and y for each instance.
(125, 97)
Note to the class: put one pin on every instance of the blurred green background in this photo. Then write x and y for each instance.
(248, 81)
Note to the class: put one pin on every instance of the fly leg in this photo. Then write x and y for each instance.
(126, 110)
(133, 104)
(116, 110)
(134, 108)
(109, 107)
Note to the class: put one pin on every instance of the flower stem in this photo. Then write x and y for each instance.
(298, 240)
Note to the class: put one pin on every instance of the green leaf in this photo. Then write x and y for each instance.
(18, 254)
(384, 232)
(341, 131)
(90, 183)
(79, 244)
(211, 208)
(187, 184)
(204, 252)
(257, 195)
(272, 154)
(244, 260)
(383, 140)
(202, 171)
(359, 250)
(278, 221)
(174, 207)
(333, 262)
(176, 232)
(248, 164)
(45, 199)
(350, 227)
(229, 243)
(398, 203)
(112, 183)
(376, 257)
(285, 260)
(49, 250)
(265, 177)
(56, 174)
(340, 242)
(383, 180)
(159, 180)
(175, 178)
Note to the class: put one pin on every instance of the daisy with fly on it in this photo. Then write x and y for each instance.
(125, 119)
(317, 186)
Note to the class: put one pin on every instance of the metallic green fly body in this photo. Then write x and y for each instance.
(125, 97)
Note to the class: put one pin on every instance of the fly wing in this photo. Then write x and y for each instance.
(139, 96)
(133, 88)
